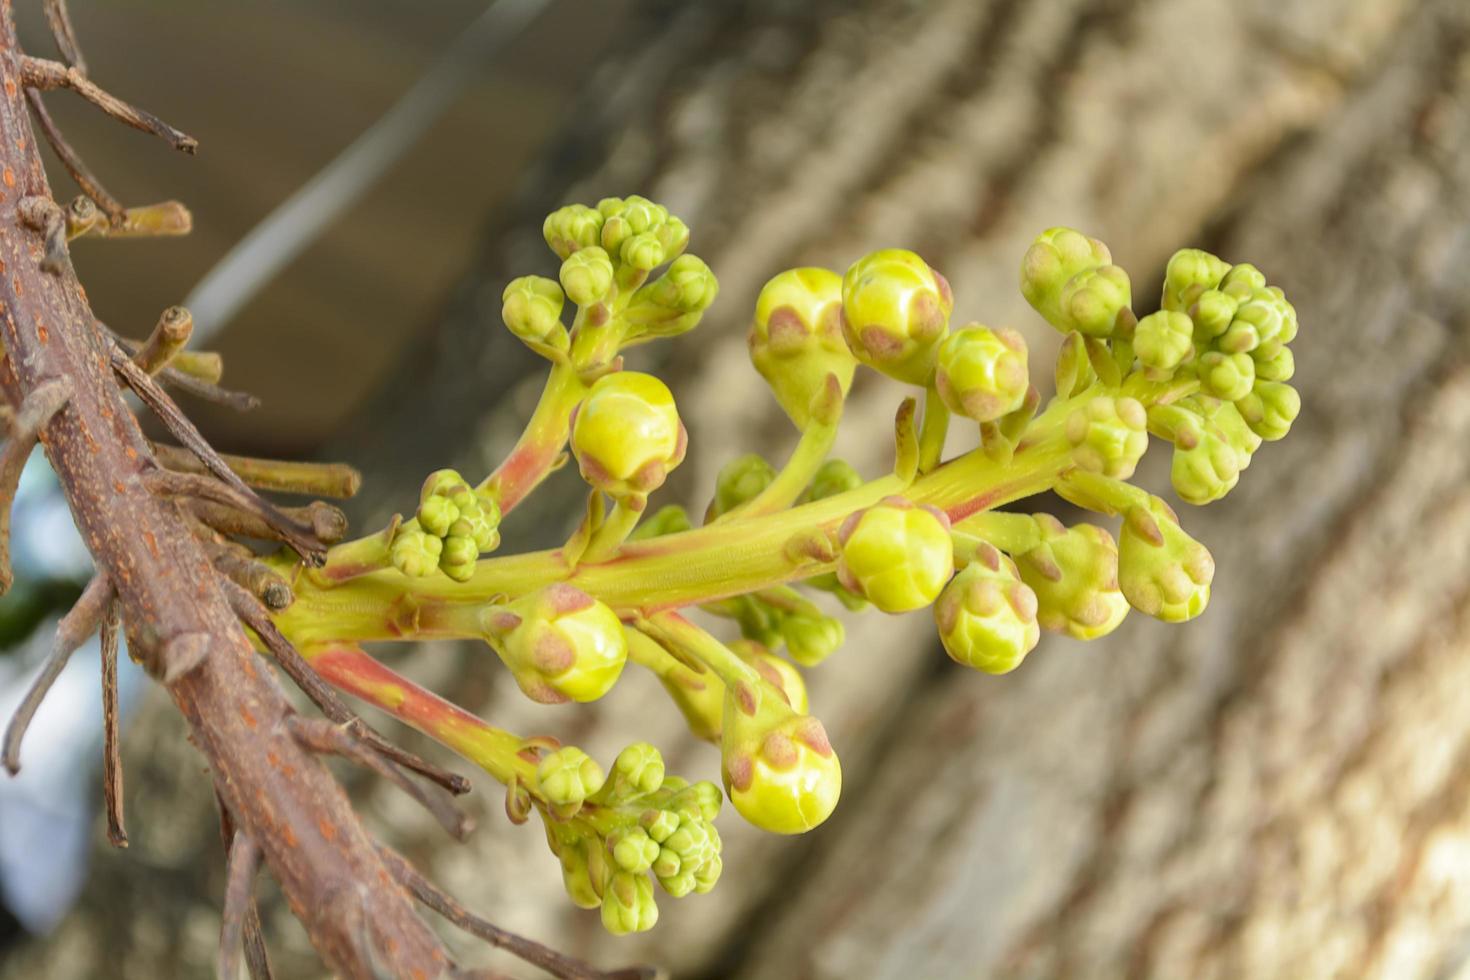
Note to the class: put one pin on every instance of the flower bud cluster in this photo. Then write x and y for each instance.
(455, 524)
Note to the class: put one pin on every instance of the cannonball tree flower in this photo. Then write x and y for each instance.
(982, 372)
(1162, 571)
(531, 309)
(895, 311)
(559, 643)
(1074, 573)
(896, 555)
(987, 615)
(626, 434)
(779, 767)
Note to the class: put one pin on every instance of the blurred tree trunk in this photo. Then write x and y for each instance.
(1278, 789)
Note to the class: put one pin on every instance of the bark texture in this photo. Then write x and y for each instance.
(1278, 789)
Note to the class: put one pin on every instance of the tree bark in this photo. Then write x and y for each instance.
(281, 797)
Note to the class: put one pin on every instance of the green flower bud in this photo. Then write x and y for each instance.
(786, 679)
(779, 767)
(811, 639)
(642, 251)
(436, 514)
(708, 874)
(573, 227)
(1278, 368)
(1227, 376)
(673, 235)
(659, 823)
(1091, 301)
(458, 558)
(642, 214)
(1058, 255)
(1074, 573)
(576, 875)
(587, 275)
(895, 311)
(1108, 435)
(1163, 572)
(568, 776)
(691, 842)
(896, 555)
(639, 769)
(1212, 314)
(559, 643)
(1190, 272)
(628, 905)
(739, 482)
(1270, 409)
(1242, 280)
(981, 373)
(670, 519)
(667, 864)
(704, 800)
(478, 520)
(987, 615)
(415, 552)
(796, 340)
(1164, 340)
(633, 850)
(531, 308)
(833, 477)
(626, 434)
(674, 302)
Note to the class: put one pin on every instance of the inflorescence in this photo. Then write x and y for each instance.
(1208, 372)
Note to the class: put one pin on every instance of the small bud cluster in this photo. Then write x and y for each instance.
(616, 833)
(454, 526)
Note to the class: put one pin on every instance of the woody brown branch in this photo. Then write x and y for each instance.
(279, 794)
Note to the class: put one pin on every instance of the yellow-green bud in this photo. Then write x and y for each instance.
(626, 434)
(739, 481)
(559, 643)
(531, 308)
(633, 850)
(628, 904)
(1163, 572)
(833, 477)
(573, 227)
(576, 875)
(796, 340)
(1190, 272)
(896, 555)
(1228, 377)
(568, 776)
(1279, 367)
(587, 275)
(1092, 300)
(895, 311)
(1212, 313)
(708, 875)
(811, 639)
(639, 769)
(779, 768)
(1270, 409)
(1108, 435)
(987, 615)
(1164, 340)
(642, 251)
(1053, 260)
(458, 558)
(981, 373)
(1074, 573)
(415, 552)
(674, 302)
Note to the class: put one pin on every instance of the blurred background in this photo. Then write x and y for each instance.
(1279, 789)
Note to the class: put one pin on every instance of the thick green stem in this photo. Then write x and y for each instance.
(808, 456)
(536, 452)
(1012, 533)
(673, 630)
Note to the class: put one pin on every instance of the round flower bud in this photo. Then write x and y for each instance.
(981, 373)
(626, 434)
(639, 769)
(833, 477)
(1057, 255)
(568, 776)
(895, 311)
(1212, 313)
(779, 768)
(1243, 280)
(458, 558)
(628, 904)
(796, 340)
(642, 251)
(415, 552)
(1108, 435)
(573, 227)
(1164, 340)
(674, 302)
(708, 875)
(587, 275)
(811, 639)
(559, 643)
(896, 555)
(1091, 301)
(1270, 409)
(1278, 368)
(1163, 572)
(779, 673)
(1205, 466)
(1227, 376)
(531, 308)
(633, 850)
(1074, 573)
(987, 615)
(1189, 273)
(740, 481)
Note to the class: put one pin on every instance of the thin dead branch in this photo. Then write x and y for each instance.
(47, 75)
(112, 774)
(241, 864)
(175, 326)
(25, 426)
(167, 483)
(72, 161)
